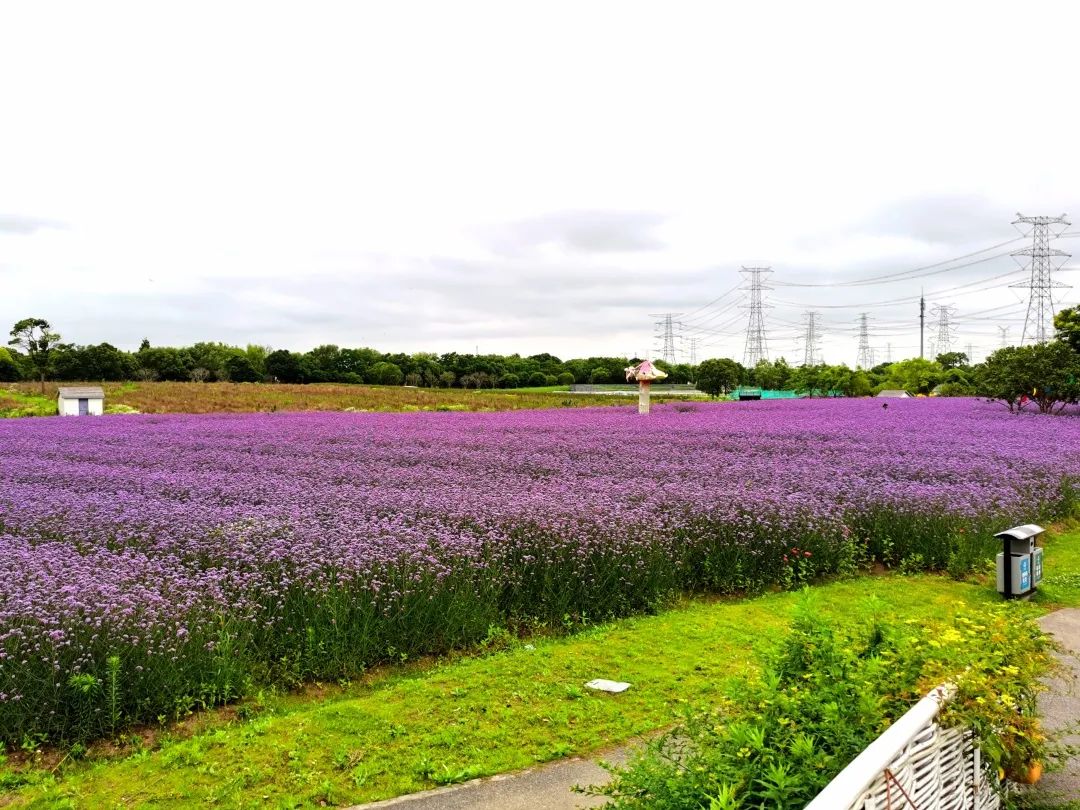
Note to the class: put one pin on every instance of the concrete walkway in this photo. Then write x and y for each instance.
(1060, 705)
(544, 788)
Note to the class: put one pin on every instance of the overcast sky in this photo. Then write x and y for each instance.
(524, 176)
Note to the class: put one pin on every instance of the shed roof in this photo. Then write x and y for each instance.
(82, 392)
(894, 392)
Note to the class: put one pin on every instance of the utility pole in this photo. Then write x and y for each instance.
(1004, 336)
(756, 348)
(865, 357)
(1039, 321)
(922, 322)
(666, 335)
(944, 330)
(811, 339)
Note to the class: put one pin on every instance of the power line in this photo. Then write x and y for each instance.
(690, 316)
(916, 272)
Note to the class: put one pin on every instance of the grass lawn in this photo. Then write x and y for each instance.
(435, 722)
(25, 402)
(25, 399)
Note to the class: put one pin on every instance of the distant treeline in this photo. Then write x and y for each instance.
(211, 362)
(1047, 372)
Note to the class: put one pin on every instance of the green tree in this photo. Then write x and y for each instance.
(1047, 374)
(240, 369)
(808, 379)
(1067, 323)
(163, 363)
(9, 369)
(101, 362)
(285, 366)
(599, 375)
(950, 360)
(36, 338)
(384, 373)
(717, 376)
(916, 376)
(859, 385)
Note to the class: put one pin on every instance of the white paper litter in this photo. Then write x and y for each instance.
(607, 686)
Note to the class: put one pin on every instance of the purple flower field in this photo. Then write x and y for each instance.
(153, 564)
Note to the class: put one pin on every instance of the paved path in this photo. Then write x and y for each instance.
(1060, 704)
(543, 788)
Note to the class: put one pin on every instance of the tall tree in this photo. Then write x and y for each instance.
(35, 337)
(9, 369)
(1067, 323)
(717, 376)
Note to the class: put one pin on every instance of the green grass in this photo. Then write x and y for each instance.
(18, 403)
(428, 723)
(534, 389)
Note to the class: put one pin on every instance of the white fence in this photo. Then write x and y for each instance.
(914, 765)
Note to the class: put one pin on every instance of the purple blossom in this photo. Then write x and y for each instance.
(194, 548)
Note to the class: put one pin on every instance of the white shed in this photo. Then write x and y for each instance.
(894, 393)
(85, 400)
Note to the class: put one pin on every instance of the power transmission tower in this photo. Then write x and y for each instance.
(757, 347)
(1004, 336)
(970, 354)
(666, 334)
(693, 350)
(811, 339)
(888, 352)
(943, 345)
(1039, 321)
(865, 357)
(922, 322)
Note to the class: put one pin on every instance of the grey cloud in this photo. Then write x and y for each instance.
(951, 220)
(579, 232)
(426, 303)
(15, 223)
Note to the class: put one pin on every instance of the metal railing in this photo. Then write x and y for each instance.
(914, 765)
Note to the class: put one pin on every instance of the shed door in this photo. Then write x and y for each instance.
(84, 407)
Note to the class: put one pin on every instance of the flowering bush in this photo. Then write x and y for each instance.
(153, 564)
(828, 692)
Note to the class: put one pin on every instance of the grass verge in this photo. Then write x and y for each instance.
(437, 722)
(16, 403)
(24, 399)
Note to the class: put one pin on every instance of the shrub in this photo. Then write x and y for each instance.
(827, 693)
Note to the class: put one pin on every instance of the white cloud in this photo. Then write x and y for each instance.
(529, 177)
